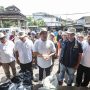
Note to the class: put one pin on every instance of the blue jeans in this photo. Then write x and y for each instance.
(70, 72)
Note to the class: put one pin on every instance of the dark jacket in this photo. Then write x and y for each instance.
(70, 53)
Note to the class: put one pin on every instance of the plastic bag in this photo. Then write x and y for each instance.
(5, 86)
(50, 82)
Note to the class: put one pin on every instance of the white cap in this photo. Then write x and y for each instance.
(2, 35)
(33, 32)
(22, 34)
(43, 30)
(52, 34)
(64, 33)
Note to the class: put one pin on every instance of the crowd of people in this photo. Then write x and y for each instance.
(41, 49)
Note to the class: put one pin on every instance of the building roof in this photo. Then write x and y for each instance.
(42, 14)
(12, 12)
(85, 17)
(12, 8)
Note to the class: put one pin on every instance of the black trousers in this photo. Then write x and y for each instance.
(26, 67)
(83, 71)
(47, 70)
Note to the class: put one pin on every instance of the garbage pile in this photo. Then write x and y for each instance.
(22, 81)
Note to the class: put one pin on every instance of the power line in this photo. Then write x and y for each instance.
(64, 14)
(75, 13)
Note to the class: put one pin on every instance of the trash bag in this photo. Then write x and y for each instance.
(24, 77)
(13, 87)
(50, 82)
(16, 79)
(24, 87)
(22, 81)
(5, 86)
(19, 87)
(27, 80)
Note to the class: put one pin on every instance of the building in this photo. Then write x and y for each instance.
(51, 21)
(11, 16)
(84, 23)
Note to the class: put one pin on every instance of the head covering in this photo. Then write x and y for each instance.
(2, 35)
(52, 34)
(33, 32)
(22, 34)
(80, 35)
(71, 30)
(64, 33)
(43, 30)
(60, 31)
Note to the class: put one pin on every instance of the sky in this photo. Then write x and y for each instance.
(54, 7)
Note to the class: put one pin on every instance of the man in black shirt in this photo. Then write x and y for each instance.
(70, 57)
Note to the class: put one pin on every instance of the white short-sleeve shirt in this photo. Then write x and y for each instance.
(6, 52)
(86, 54)
(44, 47)
(25, 50)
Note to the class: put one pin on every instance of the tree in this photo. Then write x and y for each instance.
(32, 22)
(9, 23)
(41, 22)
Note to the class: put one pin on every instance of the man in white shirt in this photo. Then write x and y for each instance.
(44, 49)
(84, 67)
(23, 48)
(7, 56)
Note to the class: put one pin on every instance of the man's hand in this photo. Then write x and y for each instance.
(46, 57)
(18, 62)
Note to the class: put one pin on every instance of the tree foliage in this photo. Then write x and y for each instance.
(40, 22)
(9, 23)
(32, 22)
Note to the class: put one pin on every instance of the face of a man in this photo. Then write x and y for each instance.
(71, 36)
(2, 40)
(22, 39)
(32, 35)
(52, 37)
(80, 38)
(64, 37)
(44, 36)
(88, 38)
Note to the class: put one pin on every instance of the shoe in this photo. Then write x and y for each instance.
(83, 85)
(60, 82)
(77, 85)
(69, 84)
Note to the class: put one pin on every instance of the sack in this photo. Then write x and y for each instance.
(23, 87)
(5, 86)
(16, 79)
(13, 87)
(50, 82)
(19, 87)
(22, 81)
(27, 78)
(24, 77)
